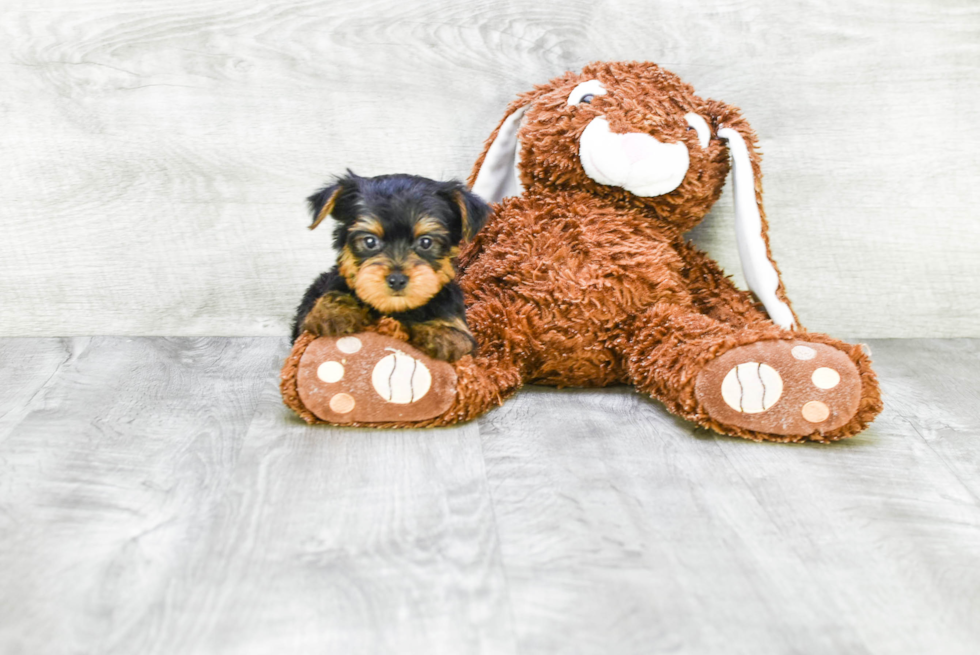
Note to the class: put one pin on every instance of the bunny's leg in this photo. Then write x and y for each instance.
(757, 381)
(713, 293)
(377, 379)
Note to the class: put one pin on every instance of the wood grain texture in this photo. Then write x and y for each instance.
(345, 541)
(156, 154)
(111, 471)
(156, 497)
(624, 530)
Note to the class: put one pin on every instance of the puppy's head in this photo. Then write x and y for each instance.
(398, 235)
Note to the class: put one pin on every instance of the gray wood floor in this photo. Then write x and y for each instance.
(156, 497)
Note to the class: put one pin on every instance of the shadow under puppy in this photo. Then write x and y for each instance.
(397, 237)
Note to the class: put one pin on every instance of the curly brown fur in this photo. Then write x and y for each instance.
(287, 378)
(599, 285)
(397, 238)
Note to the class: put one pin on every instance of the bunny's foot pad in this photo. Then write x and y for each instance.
(372, 378)
(789, 388)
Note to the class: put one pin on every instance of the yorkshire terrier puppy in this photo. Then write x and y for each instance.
(397, 237)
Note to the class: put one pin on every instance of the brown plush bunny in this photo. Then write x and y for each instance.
(582, 277)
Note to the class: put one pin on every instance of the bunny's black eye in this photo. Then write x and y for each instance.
(586, 92)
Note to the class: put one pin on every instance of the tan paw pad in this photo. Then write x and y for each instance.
(789, 388)
(349, 345)
(803, 352)
(825, 378)
(330, 372)
(751, 387)
(373, 378)
(342, 403)
(400, 378)
(815, 411)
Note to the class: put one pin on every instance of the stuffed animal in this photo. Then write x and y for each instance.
(582, 278)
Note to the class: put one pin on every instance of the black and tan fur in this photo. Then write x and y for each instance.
(397, 238)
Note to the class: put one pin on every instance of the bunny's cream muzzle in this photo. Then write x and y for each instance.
(634, 161)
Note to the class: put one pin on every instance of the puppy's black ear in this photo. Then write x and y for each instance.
(473, 212)
(322, 202)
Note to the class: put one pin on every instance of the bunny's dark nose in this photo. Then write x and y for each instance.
(397, 281)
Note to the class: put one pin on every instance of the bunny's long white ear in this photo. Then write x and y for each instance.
(760, 270)
(499, 176)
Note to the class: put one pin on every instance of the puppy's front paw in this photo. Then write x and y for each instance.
(441, 341)
(337, 314)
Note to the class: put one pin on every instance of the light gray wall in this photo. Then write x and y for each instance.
(154, 156)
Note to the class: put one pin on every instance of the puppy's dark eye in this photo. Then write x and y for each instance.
(369, 243)
(587, 98)
(425, 243)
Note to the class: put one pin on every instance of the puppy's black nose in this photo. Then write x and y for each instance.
(397, 281)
